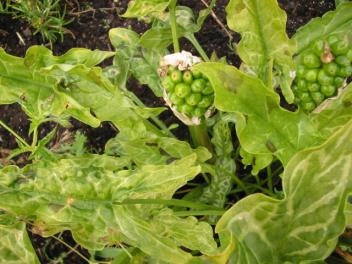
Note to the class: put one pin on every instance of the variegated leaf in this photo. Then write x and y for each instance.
(305, 225)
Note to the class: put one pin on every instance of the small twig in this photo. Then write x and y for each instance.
(21, 39)
(82, 12)
(126, 251)
(217, 20)
(71, 248)
(11, 131)
(345, 255)
(66, 30)
(92, 10)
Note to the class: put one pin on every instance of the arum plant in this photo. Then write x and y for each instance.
(188, 94)
(129, 196)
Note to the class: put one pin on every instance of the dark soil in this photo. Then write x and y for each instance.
(92, 21)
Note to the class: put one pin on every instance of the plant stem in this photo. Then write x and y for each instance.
(168, 202)
(240, 183)
(199, 213)
(19, 138)
(270, 178)
(200, 136)
(198, 47)
(35, 137)
(173, 24)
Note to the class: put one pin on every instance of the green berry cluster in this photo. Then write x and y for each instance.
(190, 92)
(321, 71)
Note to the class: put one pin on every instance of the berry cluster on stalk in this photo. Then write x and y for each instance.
(189, 92)
(321, 71)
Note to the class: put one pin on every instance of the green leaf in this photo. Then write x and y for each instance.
(145, 69)
(39, 56)
(15, 246)
(339, 2)
(125, 41)
(157, 151)
(262, 126)
(92, 89)
(87, 195)
(188, 231)
(305, 225)
(37, 93)
(224, 167)
(160, 35)
(58, 91)
(123, 38)
(333, 22)
(264, 44)
(258, 161)
(130, 59)
(145, 9)
(203, 14)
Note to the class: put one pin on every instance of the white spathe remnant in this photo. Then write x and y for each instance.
(293, 74)
(183, 60)
(327, 102)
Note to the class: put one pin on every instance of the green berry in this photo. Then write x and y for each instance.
(305, 97)
(186, 109)
(302, 85)
(308, 106)
(339, 47)
(176, 76)
(349, 55)
(208, 89)
(317, 97)
(342, 60)
(345, 71)
(198, 112)
(193, 98)
(205, 102)
(313, 87)
(198, 85)
(328, 90)
(324, 79)
(311, 60)
(176, 100)
(300, 71)
(331, 68)
(318, 47)
(338, 81)
(197, 74)
(168, 84)
(182, 90)
(171, 69)
(311, 75)
(187, 77)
